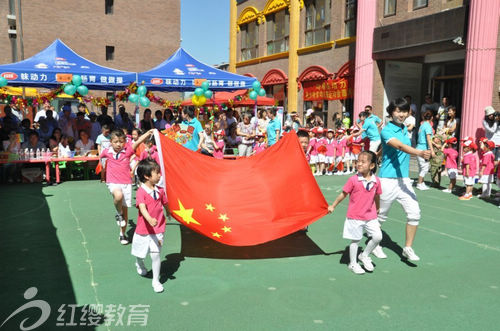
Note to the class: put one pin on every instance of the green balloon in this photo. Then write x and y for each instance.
(198, 92)
(70, 89)
(3, 81)
(208, 94)
(133, 98)
(144, 101)
(256, 85)
(82, 90)
(205, 85)
(262, 92)
(142, 90)
(253, 95)
(77, 80)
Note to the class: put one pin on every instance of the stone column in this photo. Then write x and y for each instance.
(363, 72)
(232, 36)
(479, 65)
(293, 57)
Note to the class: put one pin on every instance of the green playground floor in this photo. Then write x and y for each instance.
(63, 240)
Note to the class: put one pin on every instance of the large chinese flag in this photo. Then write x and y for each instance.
(242, 202)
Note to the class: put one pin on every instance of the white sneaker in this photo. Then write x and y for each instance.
(356, 268)
(446, 190)
(422, 187)
(140, 269)
(157, 287)
(329, 173)
(120, 221)
(378, 252)
(410, 254)
(367, 262)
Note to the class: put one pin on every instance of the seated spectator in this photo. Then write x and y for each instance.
(95, 129)
(25, 129)
(64, 150)
(67, 123)
(84, 145)
(44, 130)
(82, 124)
(51, 121)
(33, 142)
(12, 145)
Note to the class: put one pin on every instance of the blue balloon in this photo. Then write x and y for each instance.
(77, 80)
(256, 85)
(205, 85)
(3, 81)
(133, 98)
(262, 92)
(252, 95)
(208, 94)
(144, 101)
(142, 90)
(82, 90)
(198, 92)
(70, 89)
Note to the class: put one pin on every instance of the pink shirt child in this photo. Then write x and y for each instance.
(118, 165)
(320, 142)
(362, 200)
(471, 160)
(155, 208)
(259, 147)
(488, 160)
(341, 145)
(219, 149)
(153, 153)
(451, 158)
(331, 146)
(312, 146)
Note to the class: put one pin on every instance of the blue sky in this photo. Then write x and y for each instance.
(205, 30)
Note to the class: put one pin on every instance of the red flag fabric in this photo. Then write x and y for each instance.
(242, 202)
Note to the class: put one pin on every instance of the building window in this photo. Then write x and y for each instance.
(317, 21)
(350, 18)
(278, 30)
(249, 41)
(108, 10)
(417, 4)
(110, 53)
(389, 7)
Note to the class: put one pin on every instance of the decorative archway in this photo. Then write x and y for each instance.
(274, 77)
(249, 75)
(314, 73)
(346, 71)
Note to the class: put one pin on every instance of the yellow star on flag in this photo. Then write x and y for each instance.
(226, 229)
(223, 217)
(209, 207)
(185, 214)
(215, 234)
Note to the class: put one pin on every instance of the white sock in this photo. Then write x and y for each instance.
(155, 257)
(140, 262)
(486, 190)
(376, 239)
(353, 251)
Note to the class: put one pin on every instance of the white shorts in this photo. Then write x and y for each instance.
(400, 190)
(469, 181)
(142, 244)
(329, 159)
(486, 179)
(354, 157)
(313, 159)
(423, 166)
(452, 173)
(339, 159)
(347, 156)
(353, 229)
(321, 158)
(374, 146)
(126, 191)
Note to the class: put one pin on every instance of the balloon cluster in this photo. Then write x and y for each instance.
(256, 91)
(201, 94)
(3, 81)
(140, 96)
(76, 86)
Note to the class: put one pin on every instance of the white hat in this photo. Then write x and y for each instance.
(309, 112)
(489, 110)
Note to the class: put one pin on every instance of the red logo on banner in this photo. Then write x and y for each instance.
(9, 75)
(156, 81)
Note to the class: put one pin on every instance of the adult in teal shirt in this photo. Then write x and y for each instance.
(273, 128)
(191, 121)
(394, 174)
(424, 143)
(370, 131)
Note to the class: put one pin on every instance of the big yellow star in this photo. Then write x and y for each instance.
(185, 214)
(223, 217)
(209, 207)
(215, 234)
(226, 229)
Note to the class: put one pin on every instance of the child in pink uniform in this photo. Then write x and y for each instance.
(321, 149)
(451, 165)
(313, 152)
(219, 144)
(148, 237)
(340, 152)
(469, 168)
(364, 200)
(261, 145)
(118, 178)
(487, 168)
(331, 148)
(150, 151)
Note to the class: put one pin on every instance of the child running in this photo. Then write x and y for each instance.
(364, 200)
(148, 237)
(469, 167)
(487, 168)
(118, 177)
(451, 154)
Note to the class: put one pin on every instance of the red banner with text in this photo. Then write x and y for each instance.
(330, 89)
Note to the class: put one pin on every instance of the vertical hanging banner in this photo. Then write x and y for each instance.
(242, 202)
(330, 89)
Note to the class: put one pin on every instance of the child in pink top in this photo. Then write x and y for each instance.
(148, 237)
(219, 144)
(451, 154)
(321, 150)
(118, 175)
(469, 168)
(313, 152)
(331, 148)
(150, 151)
(487, 168)
(340, 152)
(261, 145)
(364, 200)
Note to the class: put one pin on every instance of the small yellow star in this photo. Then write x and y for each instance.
(223, 217)
(209, 207)
(215, 234)
(185, 214)
(226, 229)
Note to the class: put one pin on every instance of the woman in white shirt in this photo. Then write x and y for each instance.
(84, 145)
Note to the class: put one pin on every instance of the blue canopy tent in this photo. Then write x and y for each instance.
(56, 64)
(182, 72)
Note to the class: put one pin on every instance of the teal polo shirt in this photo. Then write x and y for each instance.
(395, 163)
(371, 130)
(272, 126)
(193, 143)
(423, 131)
